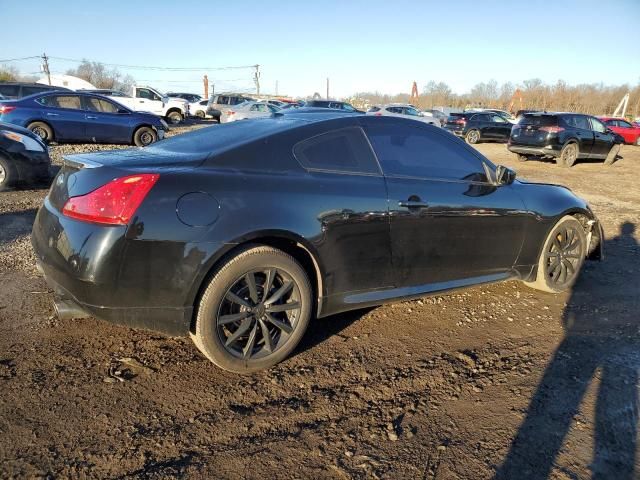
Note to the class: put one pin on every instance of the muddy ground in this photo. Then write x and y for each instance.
(495, 380)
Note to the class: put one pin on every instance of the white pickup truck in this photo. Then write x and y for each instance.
(147, 99)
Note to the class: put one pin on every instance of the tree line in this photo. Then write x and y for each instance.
(594, 99)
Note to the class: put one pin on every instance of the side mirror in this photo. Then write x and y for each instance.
(504, 175)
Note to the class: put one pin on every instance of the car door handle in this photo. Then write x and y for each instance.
(412, 204)
(91, 117)
(53, 114)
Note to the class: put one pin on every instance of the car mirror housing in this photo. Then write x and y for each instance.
(504, 175)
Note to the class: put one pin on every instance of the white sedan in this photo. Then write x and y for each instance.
(247, 110)
(403, 110)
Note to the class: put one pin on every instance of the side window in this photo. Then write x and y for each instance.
(611, 123)
(415, 152)
(272, 108)
(144, 93)
(71, 102)
(497, 119)
(411, 111)
(623, 124)
(481, 117)
(345, 150)
(10, 91)
(348, 108)
(581, 122)
(99, 105)
(31, 90)
(597, 125)
(394, 109)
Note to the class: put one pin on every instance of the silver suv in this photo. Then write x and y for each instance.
(218, 102)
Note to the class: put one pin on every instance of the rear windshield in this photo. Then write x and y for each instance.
(539, 120)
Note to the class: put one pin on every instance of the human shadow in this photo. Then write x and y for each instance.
(601, 342)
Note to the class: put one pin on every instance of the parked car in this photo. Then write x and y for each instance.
(239, 234)
(247, 110)
(441, 116)
(480, 126)
(199, 109)
(218, 102)
(347, 107)
(520, 113)
(82, 117)
(189, 97)
(565, 137)
(23, 157)
(15, 90)
(628, 131)
(147, 99)
(402, 110)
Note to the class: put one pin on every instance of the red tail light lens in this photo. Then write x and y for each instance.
(113, 203)
(551, 129)
(378, 114)
(6, 109)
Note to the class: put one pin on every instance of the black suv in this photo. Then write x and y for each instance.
(347, 107)
(476, 127)
(565, 137)
(15, 90)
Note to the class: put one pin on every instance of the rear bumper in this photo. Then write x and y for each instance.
(549, 150)
(141, 284)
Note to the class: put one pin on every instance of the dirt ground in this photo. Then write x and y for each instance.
(495, 381)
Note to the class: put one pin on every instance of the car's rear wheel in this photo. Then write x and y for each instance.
(7, 174)
(144, 136)
(254, 311)
(42, 130)
(612, 155)
(174, 117)
(562, 256)
(200, 114)
(472, 137)
(569, 154)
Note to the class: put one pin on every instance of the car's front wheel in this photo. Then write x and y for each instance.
(561, 257)
(7, 174)
(612, 155)
(254, 311)
(41, 129)
(144, 136)
(472, 137)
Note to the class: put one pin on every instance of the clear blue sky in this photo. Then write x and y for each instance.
(360, 45)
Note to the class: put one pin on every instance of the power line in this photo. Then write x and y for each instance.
(18, 59)
(149, 67)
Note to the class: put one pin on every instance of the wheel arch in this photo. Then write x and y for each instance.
(291, 243)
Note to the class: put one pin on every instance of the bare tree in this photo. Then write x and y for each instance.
(97, 74)
(8, 74)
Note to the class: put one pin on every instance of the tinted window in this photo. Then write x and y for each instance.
(31, 90)
(394, 109)
(62, 101)
(348, 108)
(611, 123)
(581, 122)
(344, 150)
(10, 91)
(622, 123)
(98, 105)
(374, 109)
(597, 125)
(482, 117)
(539, 120)
(411, 111)
(498, 119)
(415, 152)
(222, 100)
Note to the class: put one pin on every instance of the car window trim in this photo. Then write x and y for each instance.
(327, 170)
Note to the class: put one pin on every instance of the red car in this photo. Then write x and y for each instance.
(630, 132)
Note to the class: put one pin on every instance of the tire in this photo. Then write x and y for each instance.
(8, 175)
(523, 158)
(559, 275)
(200, 114)
(472, 137)
(612, 155)
(232, 323)
(568, 155)
(174, 117)
(41, 129)
(638, 142)
(144, 136)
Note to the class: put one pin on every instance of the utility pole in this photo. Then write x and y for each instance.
(206, 86)
(256, 78)
(276, 88)
(45, 66)
(327, 88)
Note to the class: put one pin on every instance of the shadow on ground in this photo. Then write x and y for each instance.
(601, 343)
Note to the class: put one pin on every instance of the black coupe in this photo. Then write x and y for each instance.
(239, 234)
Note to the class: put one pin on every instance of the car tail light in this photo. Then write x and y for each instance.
(378, 114)
(460, 121)
(113, 203)
(551, 129)
(6, 109)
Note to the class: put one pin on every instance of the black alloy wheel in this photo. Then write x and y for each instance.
(562, 256)
(258, 313)
(254, 310)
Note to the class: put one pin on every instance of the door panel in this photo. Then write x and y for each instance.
(602, 141)
(465, 230)
(103, 123)
(66, 116)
